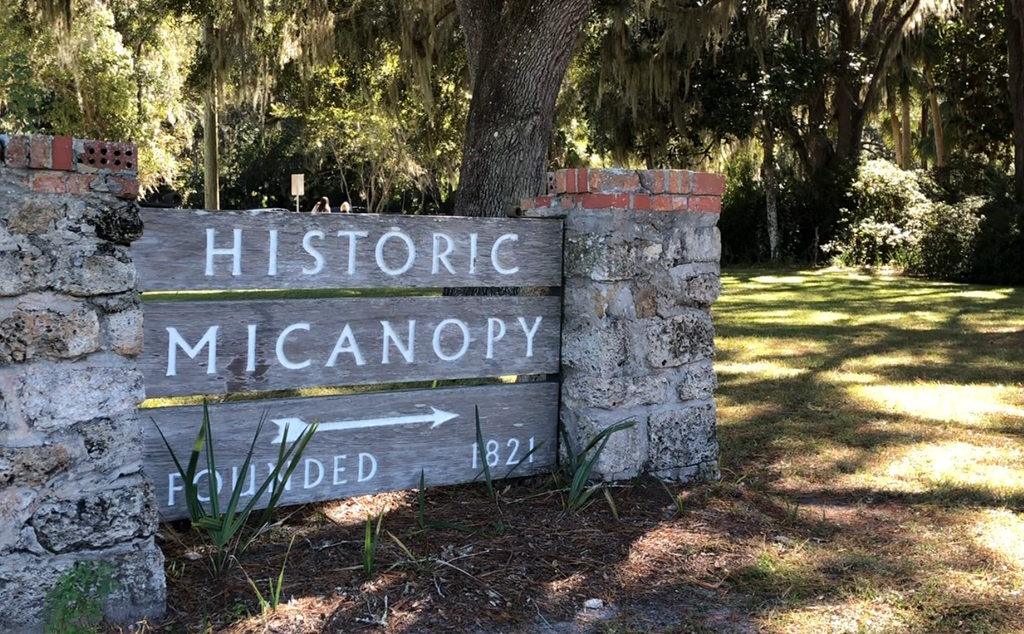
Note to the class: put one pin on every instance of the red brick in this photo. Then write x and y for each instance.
(49, 183)
(613, 181)
(684, 181)
(705, 184)
(641, 202)
(570, 182)
(596, 201)
(80, 183)
(17, 152)
(127, 188)
(661, 203)
(62, 159)
(551, 189)
(706, 203)
(39, 157)
(582, 183)
(560, 181)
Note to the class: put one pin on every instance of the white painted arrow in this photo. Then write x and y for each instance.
(296, 426)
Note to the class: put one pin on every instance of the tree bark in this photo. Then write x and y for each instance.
(518, 51)
(1015, 56)
(211, 152)
(897, 131)
(771, 199)
(905, 114)
(940, 137)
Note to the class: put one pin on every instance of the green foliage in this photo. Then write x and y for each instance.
(228, 529)
(371, 541)
(74, 605)
(578, 467)
(483, 458)
(272, 600)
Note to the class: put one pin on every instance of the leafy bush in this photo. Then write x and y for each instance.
(883, 226)
(998, 254)
(949, 234)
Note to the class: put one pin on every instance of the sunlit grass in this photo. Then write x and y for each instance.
(849, 388)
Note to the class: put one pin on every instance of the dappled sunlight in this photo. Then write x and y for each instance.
(779, 279)
(841, 377)
(953, 467)
(979, 406)
(1001, 533)
(881, 615)
(759, 370)
(994, 294)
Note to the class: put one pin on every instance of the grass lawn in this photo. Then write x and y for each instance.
(872, 451)
(890, 412)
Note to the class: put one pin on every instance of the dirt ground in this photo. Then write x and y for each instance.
(675, 560)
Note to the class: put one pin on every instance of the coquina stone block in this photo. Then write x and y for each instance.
(683, 436)
(48, 327)
(680, 339)
(55, 397)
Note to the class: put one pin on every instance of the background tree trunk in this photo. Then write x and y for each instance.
(211, 151)
(905, 115)
(518, 52)
(1015, 54)
(771, 199)
(897, 131)
(940, 140)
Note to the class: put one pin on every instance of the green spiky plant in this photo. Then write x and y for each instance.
(228, 528)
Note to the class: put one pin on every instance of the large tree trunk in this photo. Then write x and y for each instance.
(211, 153)
(518, 51)
(1015, 54)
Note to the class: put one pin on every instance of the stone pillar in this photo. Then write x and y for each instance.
(642, 254)
(71, 484)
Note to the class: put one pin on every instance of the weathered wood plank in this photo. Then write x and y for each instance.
(260, 345)
(196, 250)
(345, 460)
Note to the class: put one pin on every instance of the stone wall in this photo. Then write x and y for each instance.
(642, 255)
(71, 487)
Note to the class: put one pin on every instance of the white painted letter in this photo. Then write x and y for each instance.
(349, 340)
(320, 473)
(171, 488)
(338, 469)
(491, 337)
(352, 235)
(437, 340)
(195, 481)
(250, 364)
(408, 351)
(252, 480)
(514, 237)
(272, 266)
(395, 233)
(235, 251)
(310, 250)
(283, 360)
(362, 471)
(442, 258)
(530, 333)
(174, 340)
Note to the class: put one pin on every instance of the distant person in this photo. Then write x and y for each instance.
(346, 208)
(322, 207)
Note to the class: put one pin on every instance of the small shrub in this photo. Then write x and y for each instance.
(74, 605)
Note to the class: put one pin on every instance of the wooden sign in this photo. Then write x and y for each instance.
(225, 347)
(365, 443)
(200, 250)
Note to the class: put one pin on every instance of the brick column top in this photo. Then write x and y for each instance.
(63, 165)
(641, 190)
